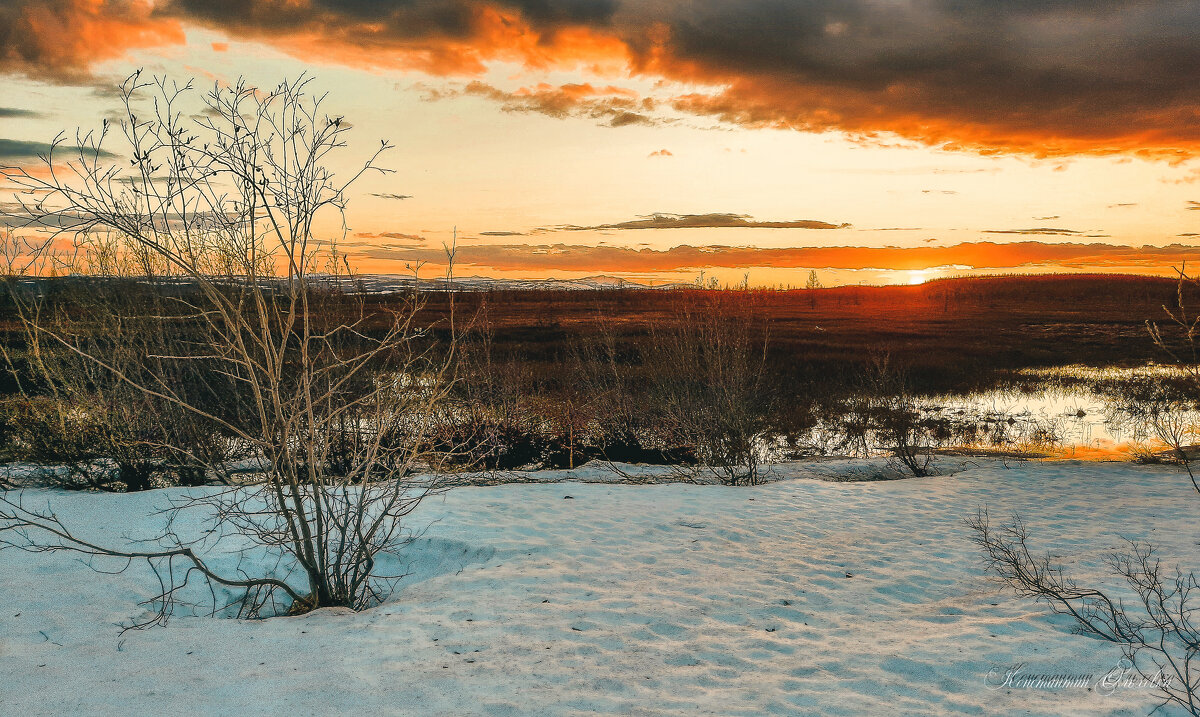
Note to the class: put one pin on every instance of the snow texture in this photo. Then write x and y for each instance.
(795, 597)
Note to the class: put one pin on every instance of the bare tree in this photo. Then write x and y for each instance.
(1157, 630)
(223, 197)
(811, 286)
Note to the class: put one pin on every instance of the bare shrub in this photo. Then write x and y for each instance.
(1156, 408)
(885, 414)
(707, 369)
(77, 407)
(621, 424)
(488, 421)
(223, 199)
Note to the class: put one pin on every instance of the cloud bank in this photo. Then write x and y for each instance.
(1045, 77)
(976, 255)
(703, 221)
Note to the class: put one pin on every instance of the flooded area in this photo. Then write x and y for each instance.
(1070, 412)
(1074, 412)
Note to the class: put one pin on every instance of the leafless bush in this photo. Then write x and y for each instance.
(80, 414)
(708, 371)
(1156, 409)
(621, 424)
(223, 199)
(489, 421)
(887, 415)
(1172, 426)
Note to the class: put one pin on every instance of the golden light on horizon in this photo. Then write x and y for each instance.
(918, 277)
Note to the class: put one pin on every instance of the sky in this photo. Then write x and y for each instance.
(873, 141)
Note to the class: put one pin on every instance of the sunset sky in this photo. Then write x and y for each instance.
(878, 141)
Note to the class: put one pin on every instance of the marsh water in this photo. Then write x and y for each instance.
(1064, 412)
(1073, 411)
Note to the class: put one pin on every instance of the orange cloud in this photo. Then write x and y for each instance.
(61, 39)
(969, 255)
(618, 107)
(1045, 127)
(450, 37)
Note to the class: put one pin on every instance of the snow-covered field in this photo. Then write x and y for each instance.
(795, 597)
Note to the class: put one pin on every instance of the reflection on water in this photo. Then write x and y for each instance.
(1064, 412)
(1074, 411)
(1054, 419)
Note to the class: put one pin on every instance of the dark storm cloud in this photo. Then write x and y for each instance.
(1048, 78)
